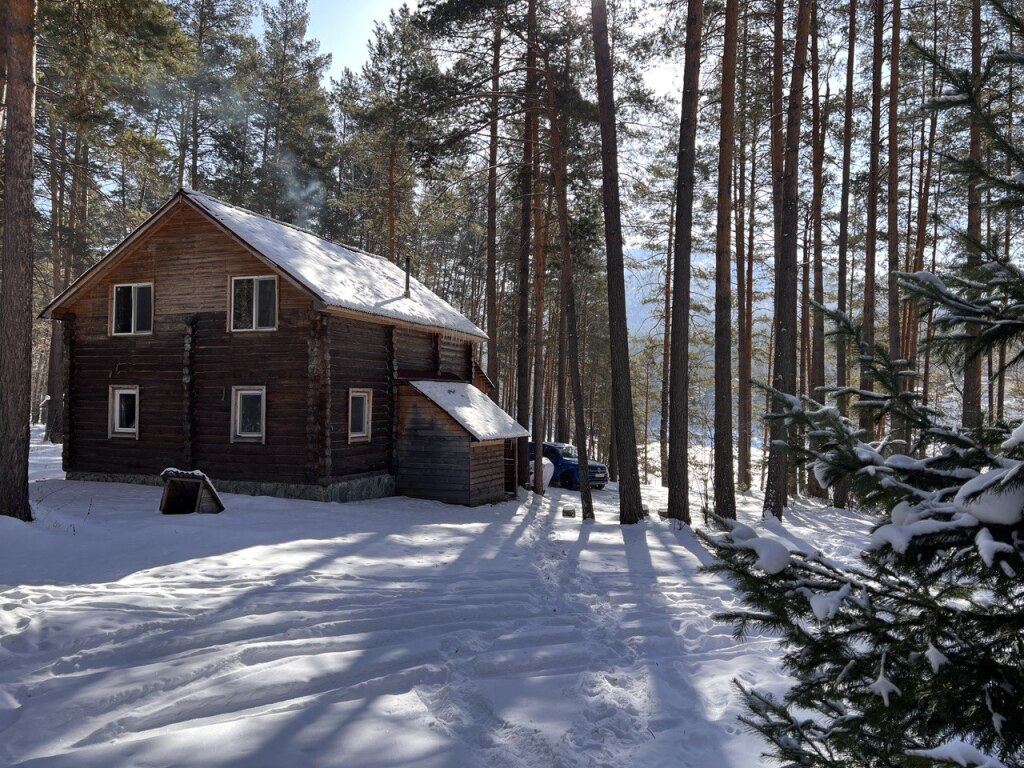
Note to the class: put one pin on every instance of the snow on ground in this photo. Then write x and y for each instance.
(387, 633)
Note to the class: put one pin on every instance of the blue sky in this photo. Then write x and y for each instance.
(343, 28)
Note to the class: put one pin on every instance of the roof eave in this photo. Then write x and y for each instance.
(399, 323)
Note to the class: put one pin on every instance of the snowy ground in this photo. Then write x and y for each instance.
(387, 633)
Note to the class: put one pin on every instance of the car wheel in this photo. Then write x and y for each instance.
(599, 487)
(566, 481)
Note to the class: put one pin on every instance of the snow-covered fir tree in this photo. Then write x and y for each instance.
(915, 656)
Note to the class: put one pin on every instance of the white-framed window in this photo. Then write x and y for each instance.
(254, 303)
(248, 414)
(132, 309)
(360, 408)
(124, 411)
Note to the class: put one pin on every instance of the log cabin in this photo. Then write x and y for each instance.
(275, 361)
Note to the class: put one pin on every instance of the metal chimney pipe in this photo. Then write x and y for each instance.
(407, 269)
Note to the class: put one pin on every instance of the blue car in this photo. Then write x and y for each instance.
(567, 466)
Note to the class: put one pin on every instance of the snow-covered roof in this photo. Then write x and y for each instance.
(338, 275)
(341, 276)
(472, 409)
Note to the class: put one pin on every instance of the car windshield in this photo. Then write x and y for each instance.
(569, 452)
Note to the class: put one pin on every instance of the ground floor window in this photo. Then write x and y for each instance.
(248, 414)
(360, 402)
(124, 411)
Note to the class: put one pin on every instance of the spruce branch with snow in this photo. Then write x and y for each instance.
(881, 474)
(920, 648)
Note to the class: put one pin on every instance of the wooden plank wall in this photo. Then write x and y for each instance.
(487, 472)
(433, 451)
(437, 459)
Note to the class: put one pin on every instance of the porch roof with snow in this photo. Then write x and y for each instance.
(474, 411)
(339, 276)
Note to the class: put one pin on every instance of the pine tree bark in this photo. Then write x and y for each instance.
(743, 364)
(568, 296)
(840, 492)
(784, 379)
(16, 260)
(679, 384)
(492, 216)
(630, 510)
(525, 221)
(747, 354)
(777, 110)
(867, 417)
(972, 414)
(666, 348)
(55, 367)
(392, 204)
(3, 73)
(538, 305)
(724, 489)
(561, 384)
(899, 428)
(913, 332)
(819, 130)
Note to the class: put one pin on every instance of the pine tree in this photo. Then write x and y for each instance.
(918, 646)
(16, 257)
(913, 656)
(293, 121)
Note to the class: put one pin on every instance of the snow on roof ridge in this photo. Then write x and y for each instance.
(195, 192)
(341, 276)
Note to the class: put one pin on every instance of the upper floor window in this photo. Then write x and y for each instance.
(124, 411)
(254, 303)
(133, 309)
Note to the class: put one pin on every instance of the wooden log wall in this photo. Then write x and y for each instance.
(455, 359)
(361, 358)
(414, 354)
(67, 374)
(186, 368)
(189, 261)
(318, 402)
(188, 391)
(487, 472)
(426, 355)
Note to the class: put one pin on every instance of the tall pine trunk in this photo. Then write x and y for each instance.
(492, 217)
(743, 365)
(538, 304)
(899, 428)
(16, 260)
(568, 296)
(819, 130)
(725, 491)
(839, 497)
(630, 510)
(972, 414)
(867, 417)
(679, 385)
(666, 348)
(784, 379)
(55, 368)
(525, 220)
